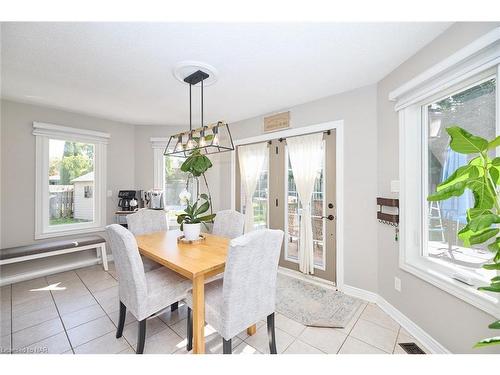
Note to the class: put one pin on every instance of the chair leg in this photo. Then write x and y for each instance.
(226, 346)
(271, 334)
(174, 306)
(121, 321)
(189, 319)
(141, 338)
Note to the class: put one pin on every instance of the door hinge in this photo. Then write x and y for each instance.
(276, 150)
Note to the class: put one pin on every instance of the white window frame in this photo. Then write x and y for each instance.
(458, 71)
(43, 133)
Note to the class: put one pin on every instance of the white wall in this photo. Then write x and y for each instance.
(454, 323)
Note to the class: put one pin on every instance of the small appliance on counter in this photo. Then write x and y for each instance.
(154, 199)
(129, 201)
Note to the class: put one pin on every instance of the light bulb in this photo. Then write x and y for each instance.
(179, 146)
(203, 141)
(190, 144)
(215, 141)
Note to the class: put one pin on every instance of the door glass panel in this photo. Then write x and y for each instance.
(293, 209)
(259, 199)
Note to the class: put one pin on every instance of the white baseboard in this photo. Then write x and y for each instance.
(413, 329)
(360, 293)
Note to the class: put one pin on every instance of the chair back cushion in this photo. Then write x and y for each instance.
(229, 224)
(147, 221)
(131, 278)
(249, 288)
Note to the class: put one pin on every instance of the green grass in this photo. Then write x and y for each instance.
(66, 220)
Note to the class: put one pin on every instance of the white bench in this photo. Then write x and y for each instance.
(47, 249)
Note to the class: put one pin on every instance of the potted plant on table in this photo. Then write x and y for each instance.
(194, 215)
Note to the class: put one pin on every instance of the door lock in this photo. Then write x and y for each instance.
(329, 217)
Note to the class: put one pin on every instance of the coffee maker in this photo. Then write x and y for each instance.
(154, 199)
(129, 200)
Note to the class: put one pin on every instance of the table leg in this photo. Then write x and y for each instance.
(199, 315)
(251, 330)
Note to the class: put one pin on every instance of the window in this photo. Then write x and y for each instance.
(462, 91)
(70, 166)
(88, 191)
(472, 108)
(169, 178)
(175, 183)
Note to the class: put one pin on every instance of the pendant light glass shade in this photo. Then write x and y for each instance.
(208, 139)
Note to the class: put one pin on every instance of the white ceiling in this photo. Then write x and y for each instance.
(123, 71)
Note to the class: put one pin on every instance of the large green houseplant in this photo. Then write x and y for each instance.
(482, 176)
(196, 165)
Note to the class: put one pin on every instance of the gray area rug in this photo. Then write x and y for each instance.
(313, 305)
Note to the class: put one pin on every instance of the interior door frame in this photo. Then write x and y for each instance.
(338, 126)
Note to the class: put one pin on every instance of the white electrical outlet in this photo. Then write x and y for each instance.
(397, 284)
(395, 186)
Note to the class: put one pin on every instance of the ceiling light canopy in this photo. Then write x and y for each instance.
(208, 139)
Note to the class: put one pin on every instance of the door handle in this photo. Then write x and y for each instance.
(329, 217)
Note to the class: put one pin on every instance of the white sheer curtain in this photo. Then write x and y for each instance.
(305, 154)
(252, 158)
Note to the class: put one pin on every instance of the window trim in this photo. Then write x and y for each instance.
(43, 132)
(459, 70)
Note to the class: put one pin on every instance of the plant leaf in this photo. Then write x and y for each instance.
(470, 237)
(492, 266)
(455, 190)
(464, 173)
(495, 325)
(202, 209)
(492, 288)
(464, 142)
(483, 197)
(481, 219)
(494, 143)
(208, 218)
(204, 196)
(488, 342)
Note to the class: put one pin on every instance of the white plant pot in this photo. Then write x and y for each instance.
(192, 231)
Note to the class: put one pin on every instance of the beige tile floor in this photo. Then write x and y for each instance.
(77, 312)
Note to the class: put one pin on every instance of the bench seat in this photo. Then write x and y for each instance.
(45, 247)
(52, 248)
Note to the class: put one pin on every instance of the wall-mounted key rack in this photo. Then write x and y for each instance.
(385, 218)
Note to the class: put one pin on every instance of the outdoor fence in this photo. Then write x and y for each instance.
(61, 204)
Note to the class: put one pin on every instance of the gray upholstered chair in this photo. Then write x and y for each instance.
(142, 293)
(229, 224)
(147, 221)
(247, 293)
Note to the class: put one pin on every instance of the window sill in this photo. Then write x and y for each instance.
(68, 232)
(426, 271)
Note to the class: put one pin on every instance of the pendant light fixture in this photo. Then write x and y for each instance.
(208, 139)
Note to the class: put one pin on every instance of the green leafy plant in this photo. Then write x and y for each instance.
(197, 165)
(482, 176)
(196, 213)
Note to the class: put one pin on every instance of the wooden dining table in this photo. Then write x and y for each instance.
(196, 261)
